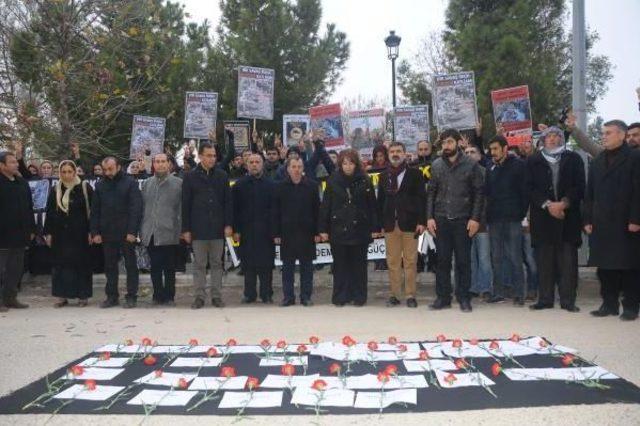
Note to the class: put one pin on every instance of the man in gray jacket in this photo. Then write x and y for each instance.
(161, 225)
(455, 198)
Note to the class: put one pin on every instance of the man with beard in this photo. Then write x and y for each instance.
(455, 200)
(272, 162)
(401, 203)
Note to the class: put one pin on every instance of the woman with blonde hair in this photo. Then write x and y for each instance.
(67, 233)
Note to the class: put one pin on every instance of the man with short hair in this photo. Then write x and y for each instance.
(161, 225)
(207, 216)
(272, 162)
(17, 228)
(633, 135)
(116, 212)
(507, 204)
(401, 208)
(612, 218)
(455, 199)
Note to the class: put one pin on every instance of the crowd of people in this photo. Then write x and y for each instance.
(507, 220)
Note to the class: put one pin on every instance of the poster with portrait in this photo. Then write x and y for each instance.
(39, 193)
(294, 127)
(512, 111)
(255, 92)
(411, 125)
(366, 129)
(240, 130)
(455, 101)
(328, 120)
(147, 134)
(200, 112)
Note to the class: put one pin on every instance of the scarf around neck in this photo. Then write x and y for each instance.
(62, 200)
(553, 155)
(394, 172)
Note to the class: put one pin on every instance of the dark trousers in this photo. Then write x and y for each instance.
(349, 273)
(251, 276)
(11, 269)
(112, 252)
(506, 258)
(452, 237)
(306, 280)
(163, 263)
(557, 263)
(615, 281)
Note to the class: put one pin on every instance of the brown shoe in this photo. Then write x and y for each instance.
(14, 304)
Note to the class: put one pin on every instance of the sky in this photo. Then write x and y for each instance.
(367, 23)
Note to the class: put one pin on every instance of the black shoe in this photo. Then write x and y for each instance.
(129, 304)
(286, 303)
(217, 302)
(465, 306)
(518, 301)
(570, 308)
(170, 303)
(306, 302)
(197, 304)
(605, 311)
(245, 300)
(393, 301)
(109, 303)
(267, 301)
(339, 305)
(412, 303)
(439, 304)
(495, 299)
(155, 302)
(473, 294)
(540, 306)
(359, 304)
(14, 304)
(628, 316)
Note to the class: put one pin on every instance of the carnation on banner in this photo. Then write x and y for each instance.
(512, 111)
(147, 134)
(411, 125)
(455, 101)
(366, 130)
(328, 119)
(200, 113)
(294, 127)
(255, 92)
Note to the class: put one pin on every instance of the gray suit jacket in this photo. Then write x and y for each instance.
(162, 211)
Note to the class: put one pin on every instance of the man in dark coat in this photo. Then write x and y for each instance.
(116, 214)
(555, 183)
(252, 205)
(17, 227)
(612, 217)
(295, 222)
(401, 210)
(207, 214)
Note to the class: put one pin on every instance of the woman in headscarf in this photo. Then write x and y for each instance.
(67, 233)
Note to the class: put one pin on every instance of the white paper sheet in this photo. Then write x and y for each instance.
(373, 399)
(96, 373)
(534, 343)
(432, 364)
(123, 349)
(258, 399)
(276, 381)
(331, 397)
(370, 381)
(464, 379)
(196, 362)
(275, 362)
(166, 379)
(570, 374)
(104, 363)
(100, 393)
(433, 348)
(163, 398)
(215, 383)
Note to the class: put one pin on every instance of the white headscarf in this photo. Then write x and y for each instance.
(62, 200)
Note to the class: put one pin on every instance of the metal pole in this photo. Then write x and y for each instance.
(579, 91)
(393, 96)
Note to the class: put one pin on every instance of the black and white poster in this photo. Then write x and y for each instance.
(147, 134)
(294, 127)
(200, 111)
(455, 101)
(255, 92)
(411, 125)
(240, 130)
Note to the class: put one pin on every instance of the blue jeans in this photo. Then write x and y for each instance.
(481, 273)
(306, 280)
(506, 257)
(529, 262)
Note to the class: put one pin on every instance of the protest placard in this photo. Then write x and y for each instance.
(411, 125)
(328, 120)
(294, 127)
(240, 130)
(147, 134)
(200, 111)
(366, 129)
(255, 92)
(455, 101)
(512, 111)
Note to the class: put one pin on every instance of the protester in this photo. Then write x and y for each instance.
(67, 232)
(115, 221)
(97, 171)
(272, 162)
(160, 230)
(17, 228)
(455, 200)
(556, 184)
(481, 272)
(348, 219)
(401, 213)
(612, 218)
(253, 198)
(507, 203)
(46, 169)
(295, 221)
(310, 160)
(633, 135)
(380, 160)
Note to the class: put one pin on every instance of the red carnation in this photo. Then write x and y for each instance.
(402, 348)
(302, 349)
(383, 377)
(227, 372)
(265, 343)
(212, 352)
(158, 373)
(460, 363)
(232, 342)
(288, 370)
(568, 359)
(335, 368)
(149, 360)
(450, 378)
(441, 338)
(314, 340)
(193, 342)
(457, 343)
(105, 356)
(515, 338)
(391, 369)
(146, 341)
(424, 355)
(473, 341)
(319, 385)
(496, 369)
(494, 345)
(128, 342)
(348, 341)
(372, 346)
(392, 340)
(77, 370)
(182, 383)
(90, 384)
(252, 383)
(281, 344)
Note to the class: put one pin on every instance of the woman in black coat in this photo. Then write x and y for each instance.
(348, 220)
(67, 233)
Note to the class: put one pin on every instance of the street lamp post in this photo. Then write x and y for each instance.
(393, 46)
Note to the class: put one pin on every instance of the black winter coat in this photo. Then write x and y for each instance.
(349, 212)
(116, 208)
(295, 218)
(546, 229)
(16, 213)
(612, 202)
(506, 190)
(407, 205)
(252, 209)
(207, 206)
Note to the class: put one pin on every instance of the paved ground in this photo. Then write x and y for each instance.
(41, 339)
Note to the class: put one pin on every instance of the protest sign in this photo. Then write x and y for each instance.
(328, 120)
(147, 134)
(240, 130)
(411, 125)
(39, 193)
(255, 92)
(366, 129)
(512, 111)
(200, 111)
(294, 127)
(455, 101)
